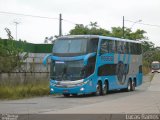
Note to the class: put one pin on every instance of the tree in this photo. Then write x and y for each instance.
(80, 29)
(94, 29)
(128, 33)
(11, 55)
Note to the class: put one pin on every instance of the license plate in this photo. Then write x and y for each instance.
(65, 91)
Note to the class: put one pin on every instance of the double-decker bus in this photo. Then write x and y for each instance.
(155, 66)
(92, 64)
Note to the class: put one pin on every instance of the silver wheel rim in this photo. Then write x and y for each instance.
(98, 90)
(129, 86)
(105, 89)
(133, 85)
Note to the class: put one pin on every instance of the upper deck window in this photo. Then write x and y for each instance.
(70, 46)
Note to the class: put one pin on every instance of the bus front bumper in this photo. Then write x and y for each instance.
(74, 90)
(79, 89)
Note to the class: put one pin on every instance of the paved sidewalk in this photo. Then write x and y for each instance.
(155, 83)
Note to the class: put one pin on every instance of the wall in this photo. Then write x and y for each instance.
(23, 78)
(32, 69)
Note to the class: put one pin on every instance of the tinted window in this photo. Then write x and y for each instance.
(107, 46)
(93, 44)
(120, 47)
(104, 47)
(139, 49)
(127, 48)
(132, 47)
(135, 48)
(107, 69)
(111, 46)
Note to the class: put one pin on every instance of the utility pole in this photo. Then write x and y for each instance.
(60, 24)
(123, 28)
(16, 23)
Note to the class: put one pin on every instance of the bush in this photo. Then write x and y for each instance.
(24, 91)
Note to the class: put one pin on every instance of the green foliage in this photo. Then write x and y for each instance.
(128, 33)
(11, 55)
(24, 91)
(94, 29)
(83, 30)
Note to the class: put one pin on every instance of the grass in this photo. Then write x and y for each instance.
(146, 70)
(24, 91)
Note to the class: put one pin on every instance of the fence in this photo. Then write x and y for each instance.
(17, 78)
(32, 69)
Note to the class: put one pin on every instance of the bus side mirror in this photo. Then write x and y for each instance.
(45, 59)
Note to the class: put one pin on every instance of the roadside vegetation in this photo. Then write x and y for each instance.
(24, 91)
(11, 58)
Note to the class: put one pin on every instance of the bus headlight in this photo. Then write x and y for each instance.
(52, 90)
(82, 89)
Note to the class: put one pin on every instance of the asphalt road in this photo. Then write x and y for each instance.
(143, 100)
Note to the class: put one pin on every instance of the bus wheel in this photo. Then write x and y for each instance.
(105, 89)
(98, 89)
(133, 85)
(66, 95)
(129, 86)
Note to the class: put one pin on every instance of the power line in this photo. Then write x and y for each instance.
(27, 15)
(144, 23)
(45, 17)
(70, 21)
(35, 16)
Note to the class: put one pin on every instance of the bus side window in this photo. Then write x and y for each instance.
(128, 47)
(119, 47)
(139, 49)
(111, 46)
(132, 48)
(115, 47)
(104, 47)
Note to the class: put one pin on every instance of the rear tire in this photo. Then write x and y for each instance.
(105, 89)
(129, 85)
(133, 85)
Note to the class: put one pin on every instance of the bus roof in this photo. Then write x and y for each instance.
(97, 36)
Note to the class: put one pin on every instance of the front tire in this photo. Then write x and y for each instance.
(98, 89)
(129, 86)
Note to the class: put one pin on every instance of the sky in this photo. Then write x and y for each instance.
(108, 13)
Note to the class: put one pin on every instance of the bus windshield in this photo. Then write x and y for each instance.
(71, 70)
(70, 46)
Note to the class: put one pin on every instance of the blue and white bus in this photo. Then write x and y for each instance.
(92, 64)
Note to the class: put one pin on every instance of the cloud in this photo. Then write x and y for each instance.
(107, 13)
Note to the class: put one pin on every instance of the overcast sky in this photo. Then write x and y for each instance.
(108, 13)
